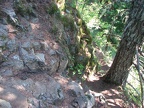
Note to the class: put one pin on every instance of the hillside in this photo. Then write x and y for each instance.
(41, 43)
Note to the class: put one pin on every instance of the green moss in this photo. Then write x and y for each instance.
(68, 21)
(23, 9)
(54, 30)
(53, 9)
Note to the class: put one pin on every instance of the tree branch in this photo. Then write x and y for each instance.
(140, 77)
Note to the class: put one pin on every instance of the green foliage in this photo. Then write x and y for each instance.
(105, 19)
(132, 95)
(133, 87)
(78, 69)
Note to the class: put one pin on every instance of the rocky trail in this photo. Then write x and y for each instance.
(33, 61)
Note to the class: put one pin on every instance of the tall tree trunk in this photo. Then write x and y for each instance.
(133, 35)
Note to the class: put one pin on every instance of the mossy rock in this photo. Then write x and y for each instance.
(68, 21)
(82, 59)
(24, 9)
(61, 4)
(52, 9)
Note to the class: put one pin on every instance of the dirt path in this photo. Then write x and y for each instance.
(114, 95)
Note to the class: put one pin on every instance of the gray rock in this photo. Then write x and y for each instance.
(51, 52)
(16, 57)
(27, 84)
(25, 23)
(80, 102)
(11, 45)
(2, 44)
(90, 100)
(53, 66)
(38, 89)
(35, 63)
(63, 65)
(2, 57)
(54, 91)
(31, 61)
(36, 46)
(71, 93)
(33, 102)
(27, 46)
(45, 46)
(11, 13)
(35, 20)
(87, 101)
(4, 104)
(17, 64)
(15, 97)
(3, 21)
(50, 92)
(40, 57)
(3, 31)
(7, 73)
(24, 52)
(76, 88)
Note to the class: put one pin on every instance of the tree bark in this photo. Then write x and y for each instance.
(133, 35)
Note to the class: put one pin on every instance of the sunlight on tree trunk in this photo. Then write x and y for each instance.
(133, 35)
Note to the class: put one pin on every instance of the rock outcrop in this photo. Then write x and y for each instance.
(38, 42)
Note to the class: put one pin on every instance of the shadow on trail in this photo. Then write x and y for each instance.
(113, 94)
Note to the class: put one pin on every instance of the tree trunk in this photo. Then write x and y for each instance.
(133, 35)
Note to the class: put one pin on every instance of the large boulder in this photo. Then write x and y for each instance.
(4, 104)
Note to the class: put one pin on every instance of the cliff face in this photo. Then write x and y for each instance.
(43, 36)
(39, 40)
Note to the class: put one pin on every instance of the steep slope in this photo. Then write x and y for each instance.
(37, 43)
(40, 41)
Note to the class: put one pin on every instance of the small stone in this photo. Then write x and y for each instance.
(51, 52)
(45, 46)
(26, 45)
(7, 73)
(18, 64)
(3, 21)
(11, 45)
(36, 46)
(63, 65)
(16, 57)
(33, 101)
(90, 100)
(3, 31)
(53, 66)
(4, 104)
(35, 20)
(24, 52)
(12, 15)
(2, 43)
(40, 57)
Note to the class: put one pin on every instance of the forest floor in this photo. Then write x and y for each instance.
(114, 96)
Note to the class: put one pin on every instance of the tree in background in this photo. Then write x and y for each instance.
(133, 36)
